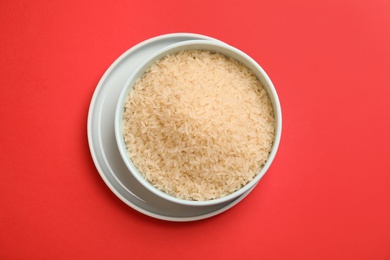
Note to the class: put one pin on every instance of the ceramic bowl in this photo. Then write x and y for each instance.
(213, 46)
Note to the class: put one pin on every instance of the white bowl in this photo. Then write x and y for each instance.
(228, 51)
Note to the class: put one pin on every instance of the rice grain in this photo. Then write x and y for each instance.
(198, 125)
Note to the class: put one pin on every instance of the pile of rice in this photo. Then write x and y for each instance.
(198, 125)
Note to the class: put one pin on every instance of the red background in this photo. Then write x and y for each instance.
(325, 197)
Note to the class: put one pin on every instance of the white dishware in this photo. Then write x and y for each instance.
(104, 149)
(213, 46)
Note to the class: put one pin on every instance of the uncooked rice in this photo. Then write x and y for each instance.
(198, 125)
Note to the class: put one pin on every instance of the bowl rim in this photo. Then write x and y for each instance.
(226, 50)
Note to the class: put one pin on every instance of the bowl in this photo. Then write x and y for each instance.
(213, 47)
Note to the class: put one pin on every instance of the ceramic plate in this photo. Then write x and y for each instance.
(105, 151)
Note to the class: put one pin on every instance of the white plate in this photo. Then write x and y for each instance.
(103, 146)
